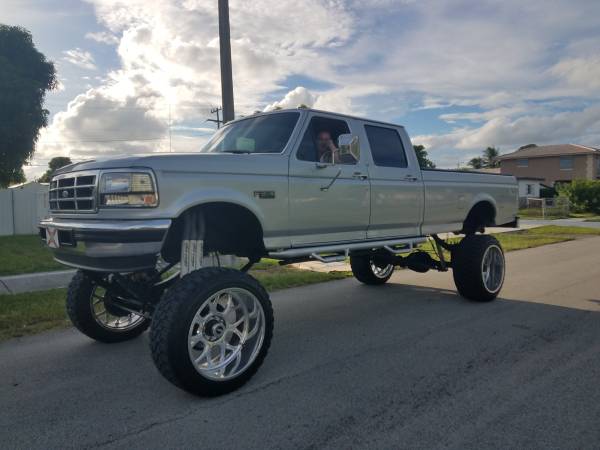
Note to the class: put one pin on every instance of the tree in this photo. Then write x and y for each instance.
(487, 161)
(424, 162)
(477, 163)
(25, 76)
(55, 163)
(17, 177)
(490, 156)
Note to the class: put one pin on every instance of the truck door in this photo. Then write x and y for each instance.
(396, 184)
(329, 200)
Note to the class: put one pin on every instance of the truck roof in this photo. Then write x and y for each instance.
(262, 113)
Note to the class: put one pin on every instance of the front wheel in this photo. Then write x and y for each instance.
(478, 267)
(212, 331)
(93, 312)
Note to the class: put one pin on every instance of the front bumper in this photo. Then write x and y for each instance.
(107, 246)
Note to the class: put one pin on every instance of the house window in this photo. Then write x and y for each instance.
(529, 189)
(566, 163)
(522, 163)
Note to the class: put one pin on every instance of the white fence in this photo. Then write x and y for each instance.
(22, 207)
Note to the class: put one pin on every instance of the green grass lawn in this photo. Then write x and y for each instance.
(533, 237)
(25, 254)
(536, 213)
(34, 312)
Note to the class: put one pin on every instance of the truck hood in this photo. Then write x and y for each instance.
(157, 161)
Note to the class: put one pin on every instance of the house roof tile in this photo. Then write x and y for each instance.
(550, 150)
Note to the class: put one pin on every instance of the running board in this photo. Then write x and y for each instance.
(324, 253)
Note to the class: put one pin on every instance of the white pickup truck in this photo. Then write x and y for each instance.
(152, 234)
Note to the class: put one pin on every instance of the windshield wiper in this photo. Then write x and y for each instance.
(237, 152)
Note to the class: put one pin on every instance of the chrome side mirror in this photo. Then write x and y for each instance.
(348, 144)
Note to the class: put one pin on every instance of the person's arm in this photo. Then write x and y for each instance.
(334, 152)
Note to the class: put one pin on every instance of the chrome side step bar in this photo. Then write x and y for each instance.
(339, 252)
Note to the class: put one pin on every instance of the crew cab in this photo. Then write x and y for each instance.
(292, 185)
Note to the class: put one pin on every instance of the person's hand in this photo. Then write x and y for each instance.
(331, 146)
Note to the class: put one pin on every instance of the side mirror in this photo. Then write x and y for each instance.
(348, 145)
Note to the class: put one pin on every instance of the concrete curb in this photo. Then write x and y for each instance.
(31, 282)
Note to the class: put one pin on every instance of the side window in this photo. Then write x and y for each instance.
(319, 143)
(386, 147)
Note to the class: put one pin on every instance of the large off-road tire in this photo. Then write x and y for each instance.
(211, 331)
(478, 267)
(91, 311)
(367, 272)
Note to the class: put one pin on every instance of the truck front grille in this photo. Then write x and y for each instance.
(73, 192)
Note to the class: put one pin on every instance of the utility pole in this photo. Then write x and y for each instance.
(225, 49)
(218, 121)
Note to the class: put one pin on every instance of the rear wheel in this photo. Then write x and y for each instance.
(212, 331)
(94, 312)
(368, 271)
(478, 267)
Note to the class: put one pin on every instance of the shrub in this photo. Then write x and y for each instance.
(583, 194)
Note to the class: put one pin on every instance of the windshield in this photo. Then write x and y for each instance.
(261, 134)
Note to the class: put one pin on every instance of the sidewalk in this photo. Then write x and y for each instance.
(30, 282)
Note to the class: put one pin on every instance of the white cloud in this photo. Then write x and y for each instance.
(583, 72)
(80, 58)
(581, 127)
(293, 99)
(500, 61)
(103, 37)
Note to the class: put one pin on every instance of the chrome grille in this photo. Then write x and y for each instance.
(73, 192)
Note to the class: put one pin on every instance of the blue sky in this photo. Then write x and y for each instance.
(459, 75)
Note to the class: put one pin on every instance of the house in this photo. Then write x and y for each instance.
(552, 163)
(529, 187)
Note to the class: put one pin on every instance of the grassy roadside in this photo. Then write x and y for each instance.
(25, 254)
(532, 237)
(34, 312)
(536, 214)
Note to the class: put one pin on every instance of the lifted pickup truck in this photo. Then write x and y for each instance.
(150, 234)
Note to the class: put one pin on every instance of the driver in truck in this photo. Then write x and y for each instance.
(327, 151)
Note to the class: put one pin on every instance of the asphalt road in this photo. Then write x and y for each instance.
(406, 365)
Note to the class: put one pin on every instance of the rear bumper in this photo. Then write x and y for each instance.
(107, 246)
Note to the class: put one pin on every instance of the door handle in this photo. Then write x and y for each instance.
(410, 178)
(359, 176)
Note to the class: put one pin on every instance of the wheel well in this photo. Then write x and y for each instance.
(481, 215)
(229, 229)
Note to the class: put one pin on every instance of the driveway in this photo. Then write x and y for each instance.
(408, 364)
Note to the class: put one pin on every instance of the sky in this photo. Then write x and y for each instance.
(139, 76)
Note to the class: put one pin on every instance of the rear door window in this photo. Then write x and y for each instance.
(386, 147)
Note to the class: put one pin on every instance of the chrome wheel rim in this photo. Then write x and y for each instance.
(106, 319)
(382, 272)
(492, 268)
(226, 334)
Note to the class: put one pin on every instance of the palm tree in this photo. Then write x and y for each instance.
(490, 157)
(477, 163)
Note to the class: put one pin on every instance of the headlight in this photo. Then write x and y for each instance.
(127, 189)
